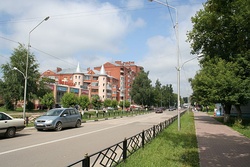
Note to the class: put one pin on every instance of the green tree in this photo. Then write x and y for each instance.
(107, 103)
(221, 29)
(14, 80)
(218, 82)
(221, 32)
(48, 100)
(158, 94)
(84, 102)
(125, 103)
(96, 102)
(142, 90)
(69, 100)
(114, 104)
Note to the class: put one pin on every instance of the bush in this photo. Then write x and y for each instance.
(30, 106)
(9, 105)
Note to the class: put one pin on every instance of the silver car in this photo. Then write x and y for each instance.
(58, 119)
(9, 125)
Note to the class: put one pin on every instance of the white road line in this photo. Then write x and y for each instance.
(66, 138)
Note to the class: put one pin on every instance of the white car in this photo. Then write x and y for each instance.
(9, 126)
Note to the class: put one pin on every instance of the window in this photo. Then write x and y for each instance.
(75, 77)
(79, 77)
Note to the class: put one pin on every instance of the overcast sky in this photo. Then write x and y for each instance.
(93, 32)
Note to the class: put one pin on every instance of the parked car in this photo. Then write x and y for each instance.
(9, 125)
(58, 119)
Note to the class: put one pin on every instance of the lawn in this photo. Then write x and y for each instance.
(170, 148)
(243, 128)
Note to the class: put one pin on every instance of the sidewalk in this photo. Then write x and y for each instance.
(219, 145)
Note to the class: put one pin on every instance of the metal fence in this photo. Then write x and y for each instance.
(119, 152)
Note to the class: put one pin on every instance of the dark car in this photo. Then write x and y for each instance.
(171, 108)
(58, 119)
(159, 110)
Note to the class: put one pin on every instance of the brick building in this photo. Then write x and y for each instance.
(109, 81)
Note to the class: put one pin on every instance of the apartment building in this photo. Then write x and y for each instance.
(108, 81)
(125, 72)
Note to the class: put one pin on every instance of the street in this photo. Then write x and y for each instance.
(50, 148)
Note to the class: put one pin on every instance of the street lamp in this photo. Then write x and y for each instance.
(24, 79)
(27, 63)
(178, 59)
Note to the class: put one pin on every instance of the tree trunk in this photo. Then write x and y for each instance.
(227, 109)
(239, 113)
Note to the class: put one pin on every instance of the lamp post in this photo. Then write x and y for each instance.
(24, 79)
(27, 64)
(178, 59)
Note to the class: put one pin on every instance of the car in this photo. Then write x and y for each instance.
(9, 125)
(171, 108)
(58, 118)
(159, 110)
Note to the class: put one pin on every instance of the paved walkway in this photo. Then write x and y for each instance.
(219, 145)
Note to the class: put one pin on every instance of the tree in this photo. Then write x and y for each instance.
(69, 100)
(221, 29)
(14, 80)
(169, 99)
(107, 103)
(125, 103)
(96, 102)
(114, 104)
(142, 90)
(218, 82)
(84, 102)
(48, 100)
(221, 32)
(158, 94)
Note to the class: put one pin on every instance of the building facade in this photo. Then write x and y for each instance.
(108, 81)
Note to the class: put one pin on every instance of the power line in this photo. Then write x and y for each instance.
(170, 13)
(80, 14)
(53, 56)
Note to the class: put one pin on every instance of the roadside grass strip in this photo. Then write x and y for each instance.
(170, 148)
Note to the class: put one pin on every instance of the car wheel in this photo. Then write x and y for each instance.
(78, 123)
(10, 132)
(58, 126)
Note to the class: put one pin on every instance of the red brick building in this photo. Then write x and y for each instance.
(109, 81)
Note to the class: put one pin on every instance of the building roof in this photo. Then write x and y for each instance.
(102, 71)
(78, 70)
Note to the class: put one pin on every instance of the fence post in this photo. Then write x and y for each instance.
(86, 161)
(124, 151)
(143, 138)
(154, 131)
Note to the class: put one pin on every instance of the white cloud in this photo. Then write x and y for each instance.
(93, 32)
(74, 27)
(161, 60)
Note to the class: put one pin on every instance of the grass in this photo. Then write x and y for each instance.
(170, 148)
(243, 128)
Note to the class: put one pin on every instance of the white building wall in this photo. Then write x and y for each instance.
(102, 87)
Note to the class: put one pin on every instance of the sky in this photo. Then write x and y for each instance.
(93, 32)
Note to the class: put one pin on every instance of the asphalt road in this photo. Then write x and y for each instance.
(31, 148)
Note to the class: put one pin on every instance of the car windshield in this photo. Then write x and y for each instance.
(55, 112)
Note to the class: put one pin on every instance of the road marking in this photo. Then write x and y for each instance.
(66, 138)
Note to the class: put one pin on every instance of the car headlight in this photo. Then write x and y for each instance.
(48, 121)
